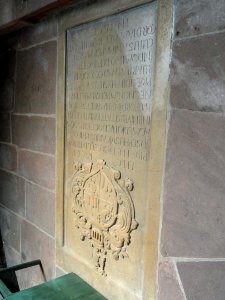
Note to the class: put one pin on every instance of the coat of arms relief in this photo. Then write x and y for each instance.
(104, 210)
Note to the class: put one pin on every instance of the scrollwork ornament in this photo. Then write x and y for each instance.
(104, 210)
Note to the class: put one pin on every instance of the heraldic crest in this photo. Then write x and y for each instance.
(104, 210)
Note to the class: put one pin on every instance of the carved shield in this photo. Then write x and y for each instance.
(100, 200)
(104, 210)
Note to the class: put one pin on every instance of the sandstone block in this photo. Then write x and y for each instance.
(27, 7)
(12, 192)
(36, 79)
(8, 157)
(38, 168)
(59, 272)
(38, 33)
(197, 79)
(7, 80)
(194, 207)
(169, 288)
(203, 280)
(198, 17)
(10, 225)
(5, 127)
(35, 133)
(35, 244)
(40, 208)
(12, 256)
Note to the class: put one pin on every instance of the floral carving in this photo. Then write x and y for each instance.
(103, 209)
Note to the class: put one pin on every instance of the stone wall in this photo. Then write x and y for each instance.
(27, 146)
(192, 243)
(13, 10)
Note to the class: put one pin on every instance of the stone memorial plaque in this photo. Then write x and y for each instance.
(109, 88)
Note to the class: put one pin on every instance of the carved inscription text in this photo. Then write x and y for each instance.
(109, 89)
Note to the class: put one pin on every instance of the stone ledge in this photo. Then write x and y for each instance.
(16, 14)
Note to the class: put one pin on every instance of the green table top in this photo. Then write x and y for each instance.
(67, 287)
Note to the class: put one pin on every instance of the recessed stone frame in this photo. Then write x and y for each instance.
(67, 258)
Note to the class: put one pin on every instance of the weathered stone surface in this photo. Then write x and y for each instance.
(30, 277)
(12, 192)
(59, 272)
(197, 80)
(35, 133)
(8, 157)
(25, 7)
(35, 244)
(36, 79)
(7, 11)
(203, 280)
(168, 285)
(194, 207)
(7, 82)
(40, 207)
(38, 33)
(38, 168)
(7, 94)
(12, 256)
(109, 88)
(10, 225)
(4, 127)
(197, 17)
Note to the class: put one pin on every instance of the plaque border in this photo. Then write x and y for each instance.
(159, 115)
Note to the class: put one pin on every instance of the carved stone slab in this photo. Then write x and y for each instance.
(109, 87)
(104, 210)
